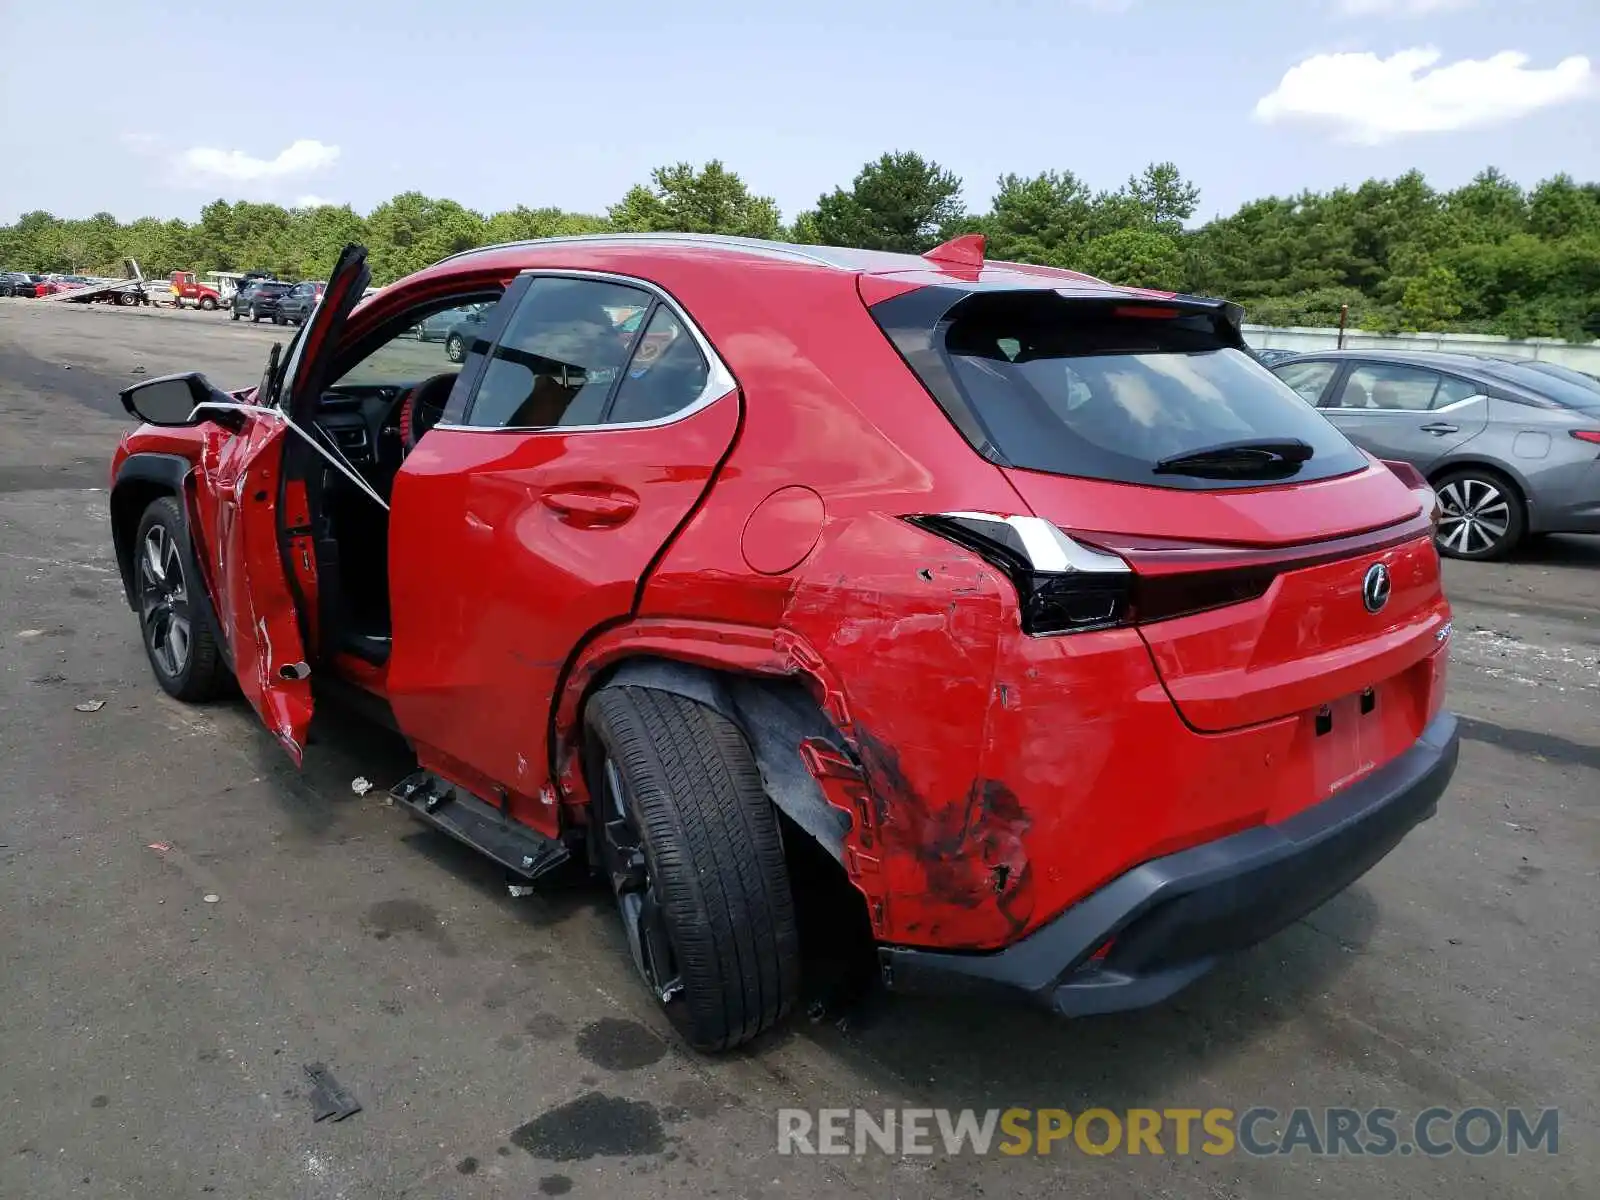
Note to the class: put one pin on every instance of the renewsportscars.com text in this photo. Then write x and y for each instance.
(1258, 1131)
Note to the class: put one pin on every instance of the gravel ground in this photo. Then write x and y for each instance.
(152, 1040)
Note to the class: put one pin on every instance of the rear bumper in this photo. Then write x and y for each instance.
(1173, 917)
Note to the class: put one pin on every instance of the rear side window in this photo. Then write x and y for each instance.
(1103, 389)
(1389, 387)
(666, 373)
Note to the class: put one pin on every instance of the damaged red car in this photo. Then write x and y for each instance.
(1053, 621)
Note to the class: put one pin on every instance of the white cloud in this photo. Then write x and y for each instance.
(311, 201)
(1368, 100)
(1399, 8)
(304, 157)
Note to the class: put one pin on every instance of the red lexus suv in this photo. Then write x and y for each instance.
(1078, 642)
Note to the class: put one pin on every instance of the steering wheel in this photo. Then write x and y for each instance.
(422, 406)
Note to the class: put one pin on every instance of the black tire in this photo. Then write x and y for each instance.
(207, 303)
(255, 315)
(706, 861)
(200, 674)
(277, 319)
(236, 314)
(455, 348)
(1483, 515)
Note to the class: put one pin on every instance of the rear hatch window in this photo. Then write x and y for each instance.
(1150, 393)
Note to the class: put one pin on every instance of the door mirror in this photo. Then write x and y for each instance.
(171, 399)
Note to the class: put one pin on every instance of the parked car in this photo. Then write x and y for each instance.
(464, 330)
(1510, 447)
(295, 305)
(52, 284)
(259, 298)
(19, 283)
(1028, 611)
(437, 327)
(1270, 356)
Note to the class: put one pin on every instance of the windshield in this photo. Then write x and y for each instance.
(1102, 390)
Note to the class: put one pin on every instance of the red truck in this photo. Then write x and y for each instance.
(187, 289)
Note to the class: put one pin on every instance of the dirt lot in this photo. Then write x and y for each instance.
(152, 1042)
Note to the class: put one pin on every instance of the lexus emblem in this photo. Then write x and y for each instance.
(1375, 587)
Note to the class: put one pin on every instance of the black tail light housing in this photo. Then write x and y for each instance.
(1063, 586)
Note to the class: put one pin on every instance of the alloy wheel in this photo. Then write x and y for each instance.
(1474, 515)
(164, 602)
(622, 849)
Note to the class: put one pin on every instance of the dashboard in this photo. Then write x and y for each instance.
(364, 421)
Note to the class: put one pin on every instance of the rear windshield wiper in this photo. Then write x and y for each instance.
(1262, 458)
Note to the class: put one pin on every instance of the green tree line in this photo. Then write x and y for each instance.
(1489, 256)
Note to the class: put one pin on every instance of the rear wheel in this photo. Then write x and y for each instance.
(455, 348)
(236, 314)
(1482, 516)
(255, 315)
(694, 854)
(177, 640)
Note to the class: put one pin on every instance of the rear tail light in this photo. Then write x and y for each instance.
(1063, 586)
(1066, 585)
(1586, 435)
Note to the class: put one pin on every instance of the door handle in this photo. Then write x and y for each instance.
(1439, 427)
(591, 508)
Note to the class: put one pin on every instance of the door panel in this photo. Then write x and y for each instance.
(507, 548)
(1406, 413)
(237, 502)
(238, 496)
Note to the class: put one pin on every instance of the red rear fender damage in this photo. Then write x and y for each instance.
(993, 779)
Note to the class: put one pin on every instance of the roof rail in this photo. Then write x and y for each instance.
(756, 245)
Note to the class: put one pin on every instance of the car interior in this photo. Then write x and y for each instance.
(370, 417)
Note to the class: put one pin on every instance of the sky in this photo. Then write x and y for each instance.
(154, 109)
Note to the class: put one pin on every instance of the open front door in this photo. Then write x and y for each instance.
(252, 514)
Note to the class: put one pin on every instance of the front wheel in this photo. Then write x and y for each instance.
(177, 638)
(455, 349)
(207, 303)
(1481, 516)
(694, 853)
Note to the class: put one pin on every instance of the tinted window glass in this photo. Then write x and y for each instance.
(1388, 387)
(1307, 378)
(1562, 384)
(1452, 390)
(1103, 390)
(560, 355)
(666, 373)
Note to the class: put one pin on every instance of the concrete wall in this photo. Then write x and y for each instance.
(1578, 356)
